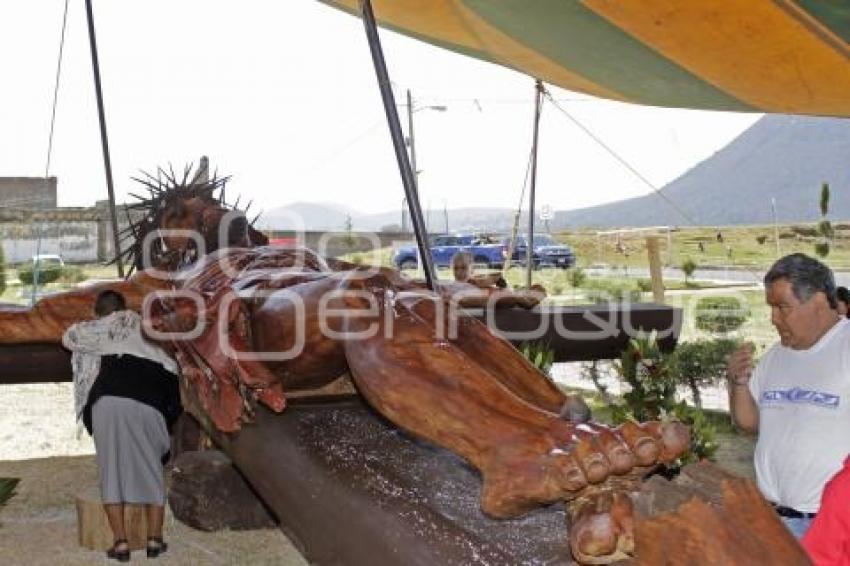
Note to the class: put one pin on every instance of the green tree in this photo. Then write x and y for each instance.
(688, 268)
(701, 363)
(824, 228)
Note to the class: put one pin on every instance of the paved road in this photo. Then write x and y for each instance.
(730, 275)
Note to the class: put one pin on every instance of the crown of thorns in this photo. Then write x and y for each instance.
(145, 215)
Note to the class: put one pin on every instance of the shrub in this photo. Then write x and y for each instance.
(700, 363)
(761, 239)
(47, 273)
(577, 277)
(653, 395)
(720, 314)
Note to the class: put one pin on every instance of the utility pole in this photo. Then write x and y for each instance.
(446, 215)
(403, 216)
(411, 141)
(104, 139)
(529, 243)
(406, 169)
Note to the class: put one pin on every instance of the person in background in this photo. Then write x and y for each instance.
(463, 271)
(127, 394)
(843, 305)
(798, 397)
(828, 539)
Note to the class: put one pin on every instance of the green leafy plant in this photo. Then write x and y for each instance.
(703, 432)
(643, 368)
(644, 285)
(720, 314)
(540, 355)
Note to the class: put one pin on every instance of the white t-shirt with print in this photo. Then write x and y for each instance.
(803, 398)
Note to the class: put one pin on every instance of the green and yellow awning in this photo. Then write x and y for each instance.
(779, 56)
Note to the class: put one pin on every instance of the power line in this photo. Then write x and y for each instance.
(655, 190)
(619, 158)
(50, 138)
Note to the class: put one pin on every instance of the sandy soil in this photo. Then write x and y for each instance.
(39, 444)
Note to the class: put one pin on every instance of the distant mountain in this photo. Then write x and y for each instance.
(318, 216)
(315, 216)
(781, 157)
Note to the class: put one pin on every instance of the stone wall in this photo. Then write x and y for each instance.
(28, 192)
(75, 241)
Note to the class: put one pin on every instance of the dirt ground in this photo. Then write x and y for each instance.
(38, 526)
(41, 444)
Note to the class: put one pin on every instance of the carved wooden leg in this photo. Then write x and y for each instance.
(433, 388)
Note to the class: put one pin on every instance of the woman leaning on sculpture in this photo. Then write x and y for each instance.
(127, 395)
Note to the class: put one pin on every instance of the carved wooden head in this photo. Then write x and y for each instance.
(182, 220)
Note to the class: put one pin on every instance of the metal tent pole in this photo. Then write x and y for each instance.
(104, 140)
(529, 241)
(408, 177)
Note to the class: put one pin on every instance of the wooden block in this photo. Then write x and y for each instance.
(93, 527)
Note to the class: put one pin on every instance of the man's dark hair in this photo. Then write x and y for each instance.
(108, 302)
(806, 275)
(843, 295)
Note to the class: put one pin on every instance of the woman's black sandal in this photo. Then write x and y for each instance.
(119, 555)
(156, 546)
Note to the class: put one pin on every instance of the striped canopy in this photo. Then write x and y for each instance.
(783, 56)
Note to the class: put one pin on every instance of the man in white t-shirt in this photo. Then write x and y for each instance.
(798, 398)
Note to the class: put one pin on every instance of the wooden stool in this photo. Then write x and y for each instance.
(93, 526)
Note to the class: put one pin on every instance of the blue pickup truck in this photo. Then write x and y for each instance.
(546, 252)
(444, 247)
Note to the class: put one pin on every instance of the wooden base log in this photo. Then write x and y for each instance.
(707, 516)
(209, 494)
(93, 527)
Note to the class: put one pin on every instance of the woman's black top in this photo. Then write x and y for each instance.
(139, 379)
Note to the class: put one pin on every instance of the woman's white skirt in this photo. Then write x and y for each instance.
(130, 439)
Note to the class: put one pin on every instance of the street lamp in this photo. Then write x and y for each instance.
(411, 140)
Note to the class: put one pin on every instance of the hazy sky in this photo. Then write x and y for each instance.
(281, 94)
